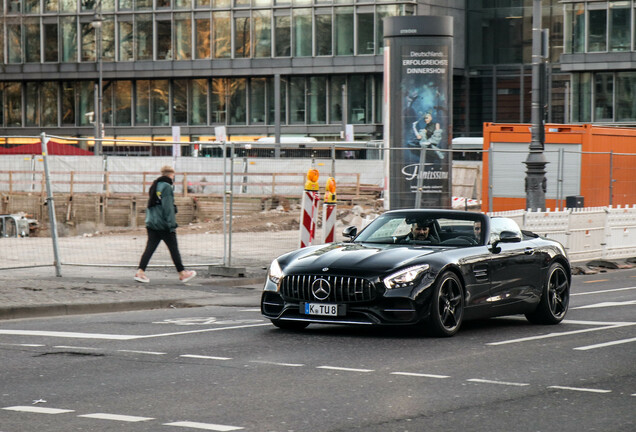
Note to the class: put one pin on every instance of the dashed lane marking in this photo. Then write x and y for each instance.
(606, 344)
(602, 291)
(38, 410)
(195, 356)
(344, 369)
(204, 426)
(116, 417)
(277, 363)
(485, 381)
(559, 334)
(142, 352)
(607, 304)
(581, 389)
(76, 347)
(413, 374)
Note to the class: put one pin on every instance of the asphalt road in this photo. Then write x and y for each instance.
(225, 368)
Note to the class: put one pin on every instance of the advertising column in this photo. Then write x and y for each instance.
(418, 52)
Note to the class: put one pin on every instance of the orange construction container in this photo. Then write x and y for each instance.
(595, 162)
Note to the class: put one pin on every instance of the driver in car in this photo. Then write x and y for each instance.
(420, 231)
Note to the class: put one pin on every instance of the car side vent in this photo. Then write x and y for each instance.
(341, 289)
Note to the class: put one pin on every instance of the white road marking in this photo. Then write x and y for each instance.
(420, 375)
(581, 389)
(607, 304)
(204, 357)
(484, 381)
(66, 334)
(205, 426)
(603, 291)
(552, 335)
(277, 363)
(38, 410)
(23, 345)
(75, 347)
(250, 310)
(606, 344)
(344, 369)
(116, 417)
(116, 337)
(142, 352)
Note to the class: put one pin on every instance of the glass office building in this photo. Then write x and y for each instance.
(307, 66)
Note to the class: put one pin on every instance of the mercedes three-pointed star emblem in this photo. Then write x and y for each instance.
(321, 289)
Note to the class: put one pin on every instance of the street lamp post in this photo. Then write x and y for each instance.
(535, 163)
(99, 127)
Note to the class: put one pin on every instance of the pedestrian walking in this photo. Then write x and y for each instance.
(161, 224)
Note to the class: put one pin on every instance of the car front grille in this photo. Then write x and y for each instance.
(342, 289)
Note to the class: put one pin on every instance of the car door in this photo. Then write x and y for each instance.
(515, 270)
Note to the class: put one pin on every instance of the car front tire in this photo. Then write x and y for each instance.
(554, 299)
(447, 306)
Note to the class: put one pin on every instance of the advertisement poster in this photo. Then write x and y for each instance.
(418, 117)
(425, 122)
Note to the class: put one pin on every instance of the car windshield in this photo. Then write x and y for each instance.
(423, 228)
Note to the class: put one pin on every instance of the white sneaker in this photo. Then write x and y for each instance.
(141, 278)
(187, 275)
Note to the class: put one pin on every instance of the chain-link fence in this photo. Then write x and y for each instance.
(239, 202)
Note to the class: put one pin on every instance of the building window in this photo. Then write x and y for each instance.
(604, 96)
(282, 32)
(619, 26)
(323, 38)
(164, 40)
(183, 36)
(13, 103)
(48, 103)
(302, 32)
(51, 43)
(597, 36)
(183, 4)
(344, 31)
(123, 103)
(143, 36)
(68, 103)
(222, 34)
(88, 42)
(69, 39)
(198, 102)
(142, 103)
(108, 38)
(360, 99)
(31, 102)
(159, 102)
(143, 4)
(68, 5)
(31, 6)
(180, 102)
(262, 33)
(14, 43)
(32, 40)
(317, 100)
(336, 91)
(86, 101)
(219, 98)
(381, 13)
(582, 97)
(271, 100)
(124, 5)
(364, 30)
(242, 37)
(297, 100)
(126, 46)
(51, 6)
(257, 100)
(202, 34)
(626, 96)
(238, 96)
(107, 102)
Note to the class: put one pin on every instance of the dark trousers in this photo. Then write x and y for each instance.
(154, 238)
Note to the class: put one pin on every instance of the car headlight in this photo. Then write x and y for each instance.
(405, 278)
(275, 273)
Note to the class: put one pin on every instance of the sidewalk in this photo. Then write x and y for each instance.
(37, 292)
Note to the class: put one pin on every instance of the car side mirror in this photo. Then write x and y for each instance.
(506, 237)
(351, 232)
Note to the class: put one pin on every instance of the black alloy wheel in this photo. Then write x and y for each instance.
(554, 299)
(447, 306)
(289, 325)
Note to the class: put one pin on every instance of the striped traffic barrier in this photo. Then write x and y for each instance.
(309, 209)
(329, 212)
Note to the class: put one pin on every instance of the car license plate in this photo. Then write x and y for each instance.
(324, 309)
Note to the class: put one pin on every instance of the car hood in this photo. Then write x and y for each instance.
(352, 258)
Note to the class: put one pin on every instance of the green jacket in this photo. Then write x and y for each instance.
(162, 217)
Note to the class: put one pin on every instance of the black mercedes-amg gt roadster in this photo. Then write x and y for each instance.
(434, 267)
